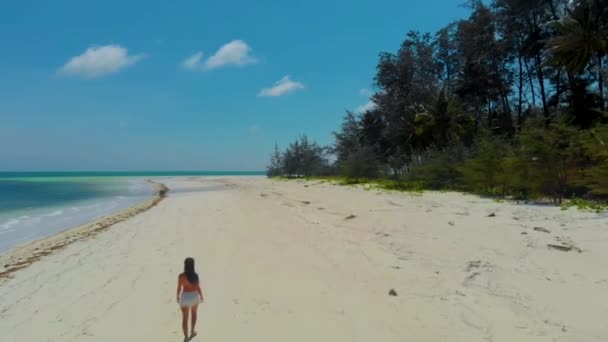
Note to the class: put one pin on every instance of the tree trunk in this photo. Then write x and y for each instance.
(558, 88)
(477, 116)
(579, 117)
(553, 10)
(508, 120)
(600, 82)
(541, 82)
(571, 81)
(531, 83)
(519, 95)
(489, 115)
(508, 115)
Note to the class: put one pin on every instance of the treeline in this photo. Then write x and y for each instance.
(301, 158)
(510, 102)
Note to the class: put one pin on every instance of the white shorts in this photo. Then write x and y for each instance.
(189, 299)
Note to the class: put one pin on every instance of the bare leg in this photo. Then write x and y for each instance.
(193, 316)
(185, 312)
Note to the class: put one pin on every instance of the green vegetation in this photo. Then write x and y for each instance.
(507, 103)
(584, 205)
(366, 183)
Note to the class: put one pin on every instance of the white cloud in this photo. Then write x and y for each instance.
(99, 61)
(193, 62)
(237, 52)
(370, 105)
(281, 87)
(365, 92)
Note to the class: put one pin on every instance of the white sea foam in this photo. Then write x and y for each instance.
(9, 223)
(43, 222)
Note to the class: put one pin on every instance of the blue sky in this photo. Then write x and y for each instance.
(187, 85)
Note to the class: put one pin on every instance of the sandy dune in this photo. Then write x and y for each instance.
(303, 261)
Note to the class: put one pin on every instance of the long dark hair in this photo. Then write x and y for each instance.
(189, 271)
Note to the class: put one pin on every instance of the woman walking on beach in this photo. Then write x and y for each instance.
(189, 296)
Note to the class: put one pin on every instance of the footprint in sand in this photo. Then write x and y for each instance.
(478, 264)
(542, 230)
(476, 268)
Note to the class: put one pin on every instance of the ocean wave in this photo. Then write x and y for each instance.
(10, 223)
(7, 231)
(41, 222)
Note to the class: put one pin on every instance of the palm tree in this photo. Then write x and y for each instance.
(582, 38)
(444, 121)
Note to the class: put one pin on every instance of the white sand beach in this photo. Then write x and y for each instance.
(307, 261)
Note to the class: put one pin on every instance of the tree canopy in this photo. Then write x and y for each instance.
(510, 100)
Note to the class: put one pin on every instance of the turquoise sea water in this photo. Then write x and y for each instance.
(34, 205)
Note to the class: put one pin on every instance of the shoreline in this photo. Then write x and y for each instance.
(308, 261)
(22, 256)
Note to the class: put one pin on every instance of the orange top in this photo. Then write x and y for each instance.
(187, 285)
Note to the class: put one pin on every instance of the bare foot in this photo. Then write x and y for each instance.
(193, 335)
